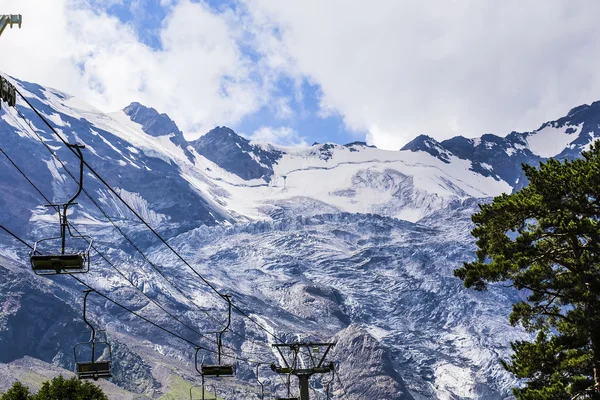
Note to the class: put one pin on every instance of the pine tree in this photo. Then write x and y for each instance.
(58, 388)
(17, 392)
(545, 240)
(69, 389)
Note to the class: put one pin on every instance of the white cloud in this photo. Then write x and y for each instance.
(199, 77)
(393, 69)
(284, 136)
(283, 110)
(442, 68)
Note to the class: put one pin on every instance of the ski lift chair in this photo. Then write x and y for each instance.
(93, 369)
(63, 262)
(219, 369)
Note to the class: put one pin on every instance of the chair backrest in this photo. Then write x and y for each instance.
(58, 262)
(94, 370)
(218, 370)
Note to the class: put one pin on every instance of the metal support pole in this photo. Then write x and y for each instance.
(6, 20)
(93, 336)
(262, 387)
(227, 298)
(303, 383)
(63, 229)
(311, 366)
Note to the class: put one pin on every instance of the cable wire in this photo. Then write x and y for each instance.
(104, 257)
(115, 193)
(97, 251)
(247, 360)
(33, 130)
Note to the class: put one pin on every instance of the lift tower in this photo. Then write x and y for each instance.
(304, 364)
(9, 19)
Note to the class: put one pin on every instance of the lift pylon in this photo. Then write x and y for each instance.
(312, 363)
(10, 19)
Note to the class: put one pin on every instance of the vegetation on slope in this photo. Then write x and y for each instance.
(545, 241)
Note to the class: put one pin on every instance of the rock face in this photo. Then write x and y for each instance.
(155, 124)
(237, 155)
(152, 122)
(329, 242)
(372, 362)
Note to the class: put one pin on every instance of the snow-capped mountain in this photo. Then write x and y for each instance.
(330, 242)
(501, 157)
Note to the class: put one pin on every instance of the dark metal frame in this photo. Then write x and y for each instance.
(63, 263)
(315, 365)
(94, 369)
(218, 369)
(10, 20)
(262, 387)
(8, 93)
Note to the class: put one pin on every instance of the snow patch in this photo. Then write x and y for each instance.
(56, 119)
(550, 141)
(137, 202)
(53, 170)
(11, 120)
(452, 381)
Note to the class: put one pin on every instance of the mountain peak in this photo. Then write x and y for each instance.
(429, 145)
(222, 130)
(224, 133)
(157, 124)
(236, 154)
(419, 142)
(359, 143)
(153, 122)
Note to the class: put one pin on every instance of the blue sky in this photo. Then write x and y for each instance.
(305, 119)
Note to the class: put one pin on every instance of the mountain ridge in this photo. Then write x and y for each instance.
(327, 242)
(581, 126)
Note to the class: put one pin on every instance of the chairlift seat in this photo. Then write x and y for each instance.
(282, 370)
(218, 370)
(56, 263)
(94, 370)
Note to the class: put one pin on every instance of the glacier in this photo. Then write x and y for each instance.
(328, 242)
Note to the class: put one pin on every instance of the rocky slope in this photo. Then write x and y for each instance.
(329, 242)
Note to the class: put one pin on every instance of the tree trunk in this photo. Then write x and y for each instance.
(595, 339)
